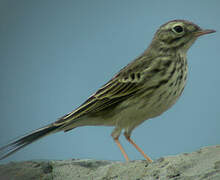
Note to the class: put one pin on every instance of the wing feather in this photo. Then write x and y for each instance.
(111, 93)
(123, 85)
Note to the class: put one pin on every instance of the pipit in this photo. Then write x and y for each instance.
(143, 89)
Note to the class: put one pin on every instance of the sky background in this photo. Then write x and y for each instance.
(55, 54)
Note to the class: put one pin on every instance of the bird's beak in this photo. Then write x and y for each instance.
(203, 32)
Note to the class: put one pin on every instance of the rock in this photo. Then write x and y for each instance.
(202, 164)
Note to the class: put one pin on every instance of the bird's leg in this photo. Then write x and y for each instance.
(121, 148)
(137, 147)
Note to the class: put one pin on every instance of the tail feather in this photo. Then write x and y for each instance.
(21, 142)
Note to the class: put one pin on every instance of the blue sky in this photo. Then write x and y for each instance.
(55, 54)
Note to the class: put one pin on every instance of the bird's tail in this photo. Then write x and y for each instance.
(21, 142)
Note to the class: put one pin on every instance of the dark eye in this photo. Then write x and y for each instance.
(178, 29)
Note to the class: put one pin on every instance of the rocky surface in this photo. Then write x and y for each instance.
(202, 164)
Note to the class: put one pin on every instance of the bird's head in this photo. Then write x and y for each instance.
(178, 34)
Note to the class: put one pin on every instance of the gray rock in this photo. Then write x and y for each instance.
(202, 164)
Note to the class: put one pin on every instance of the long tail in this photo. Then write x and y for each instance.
(21, 142)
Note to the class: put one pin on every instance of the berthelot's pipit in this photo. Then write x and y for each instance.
(144, 89)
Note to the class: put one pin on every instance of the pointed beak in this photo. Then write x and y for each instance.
(203, 32)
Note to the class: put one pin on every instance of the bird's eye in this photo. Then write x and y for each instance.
(178, 29)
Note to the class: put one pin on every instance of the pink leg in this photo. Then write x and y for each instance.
(137, 147)
(121, 148)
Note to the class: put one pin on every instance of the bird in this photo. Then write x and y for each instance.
(144, 89)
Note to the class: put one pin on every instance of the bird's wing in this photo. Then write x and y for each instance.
(116, 90)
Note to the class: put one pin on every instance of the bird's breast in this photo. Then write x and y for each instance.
(157, 98)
